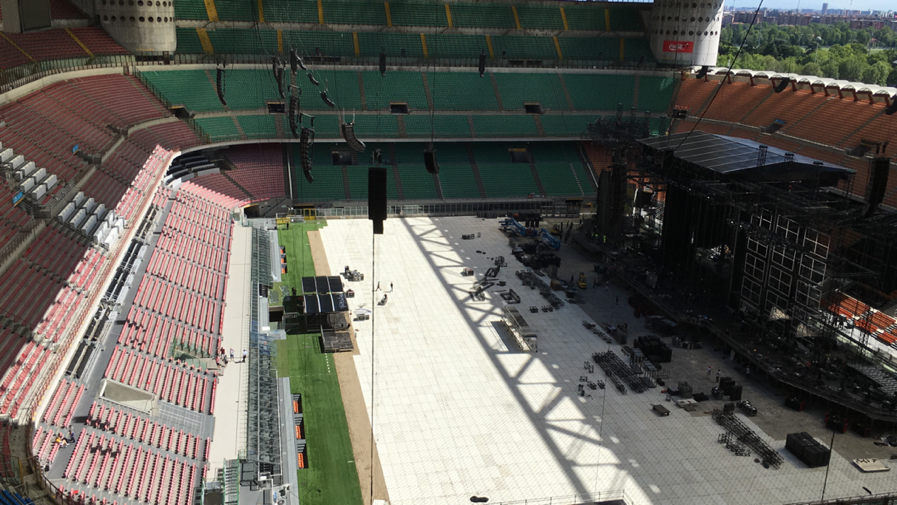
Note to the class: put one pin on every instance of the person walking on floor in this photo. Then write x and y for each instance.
(231, 353)
(245, 353)
(390, 287)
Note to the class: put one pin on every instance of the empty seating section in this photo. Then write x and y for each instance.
(62, 404)
(249, 89)
(540, 17)
(40, 141)
(259, 170)
(461, 91)
(314, 43)
(625, 19)
(344, 88)
(456, 172)
(220, 184)
(137, 472)
(114, 99)
(98, 41)
(420, 125)
(514, 47)
(188, 41)
(47, 45)
(235, 10)
(501, 178)
(482, 15)
(789, 106)
(172, 383)
(417, 14)
(565, 125)
(258, 126)
(354, 13)
(290, 11)
(693, 94)
(584, 17)
(175, 135)
(133, 426)
(455, 46)
(380, 90)
(358, 182)
(600, 92)
(194, 89)
(556, 165)
(603, 49)
(190, 9)
(146, 331)
(328, 179)
(384, 125)
(417, 183)
(517, 89)
(505, 126)
(219, 128)
(655, 93)
(393, 44)
(735, 100)
(243, 41)
(19, 380)
(820, 127)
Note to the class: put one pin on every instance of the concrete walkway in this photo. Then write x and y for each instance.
(230, 400)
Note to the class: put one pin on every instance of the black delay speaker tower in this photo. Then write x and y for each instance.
(219, 86)
(781, 85)
(377, 197)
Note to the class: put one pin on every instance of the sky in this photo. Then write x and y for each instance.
(882, 5)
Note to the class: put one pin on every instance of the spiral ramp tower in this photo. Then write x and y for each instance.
(686, 33)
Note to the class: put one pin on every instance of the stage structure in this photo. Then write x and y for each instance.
(777, 236)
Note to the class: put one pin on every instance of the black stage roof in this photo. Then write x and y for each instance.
(323, 295)
(322, 284)
(735, 157)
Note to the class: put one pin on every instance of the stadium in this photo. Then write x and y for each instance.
(416, 252)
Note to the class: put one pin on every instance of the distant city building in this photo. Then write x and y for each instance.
(824, 8)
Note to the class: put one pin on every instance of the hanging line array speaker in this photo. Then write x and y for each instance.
(306, 138)
(219, 86)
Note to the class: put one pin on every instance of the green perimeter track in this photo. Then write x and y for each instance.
(330, 477)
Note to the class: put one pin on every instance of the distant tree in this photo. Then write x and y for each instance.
(811, 68)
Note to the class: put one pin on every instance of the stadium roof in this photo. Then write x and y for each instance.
(730, 156)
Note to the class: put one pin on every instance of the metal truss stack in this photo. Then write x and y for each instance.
(743, 434)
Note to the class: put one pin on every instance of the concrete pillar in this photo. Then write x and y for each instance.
(686, 33)
(141, 26)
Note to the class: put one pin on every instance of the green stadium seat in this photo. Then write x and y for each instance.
(505, 126)
(482, 15)
(516, 89)
(219, 128)
(601, 91)
(289, 11)
(237, 10)
(258, 126)
(417, 183)
(251, 89)
(524, 47)
(243, 41)
(565, 125)
(590, 48)
(655, 93)
(326, 126)
(314, 43)
(556, 163)
(328, 179)
(376, 125)
(585, 16)
(637, 50)
(455, 171)
(355, 13)
(371, 43)
(626, 19)
(540, 17)
(457, 47)
(190, 9)
(188, 41)
(417, 14)
(501, 178)
(461, 91)
(342, 87)
(407, 87)
(419, 125)
(358, 180)
(194, 89)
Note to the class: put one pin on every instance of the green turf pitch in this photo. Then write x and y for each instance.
(331, 477)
